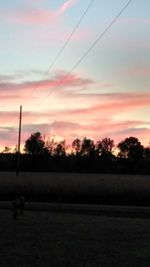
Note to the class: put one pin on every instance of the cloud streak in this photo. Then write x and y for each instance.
(66, 5)
(95, 121)
(34, 89)
(36, 16)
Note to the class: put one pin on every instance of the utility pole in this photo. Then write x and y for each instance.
(19, 141)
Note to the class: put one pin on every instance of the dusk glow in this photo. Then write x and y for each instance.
(106, 95)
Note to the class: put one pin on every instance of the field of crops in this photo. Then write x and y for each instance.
(75, 187)
(40, 238)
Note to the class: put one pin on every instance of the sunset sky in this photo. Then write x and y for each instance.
(106, 95)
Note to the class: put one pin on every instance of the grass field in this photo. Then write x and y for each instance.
(46, 239)
(76, 187)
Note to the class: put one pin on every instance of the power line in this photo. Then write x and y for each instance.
(87, 51)
(70, 36)
(65, 43)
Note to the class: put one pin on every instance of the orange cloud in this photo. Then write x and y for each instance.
(73, 110)
(71, 129)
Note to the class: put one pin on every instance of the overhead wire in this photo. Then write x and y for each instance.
(70, 36)
(87, 52)
(64, 45)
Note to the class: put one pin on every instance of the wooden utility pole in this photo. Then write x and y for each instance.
(19, 141)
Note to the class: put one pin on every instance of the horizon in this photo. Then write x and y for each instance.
(68, 145)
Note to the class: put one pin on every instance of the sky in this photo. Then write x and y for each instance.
(107, 94)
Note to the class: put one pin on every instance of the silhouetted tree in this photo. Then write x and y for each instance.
(146, 153)
(76, 145)
(130, 148)
(60, 149)
(51, 145)
(7, 149)
(87, 147)
(35, 144)
(15, 149)
(105, 146)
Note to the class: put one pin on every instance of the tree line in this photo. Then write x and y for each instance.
(128, 156)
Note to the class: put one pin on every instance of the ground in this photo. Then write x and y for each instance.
(50, 239)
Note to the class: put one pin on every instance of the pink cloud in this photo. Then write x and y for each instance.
(8, 137)
(66, 5)
(72, 111)
(99, 118)
(115, 130)
(96, 121)
(29, 16)
(33, 88)
(36, 15)
(112, 104)
(71, 129)
(74, 88)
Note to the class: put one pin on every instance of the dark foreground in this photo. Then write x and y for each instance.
(47, 239)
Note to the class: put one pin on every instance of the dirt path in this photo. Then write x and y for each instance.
(87, 209)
